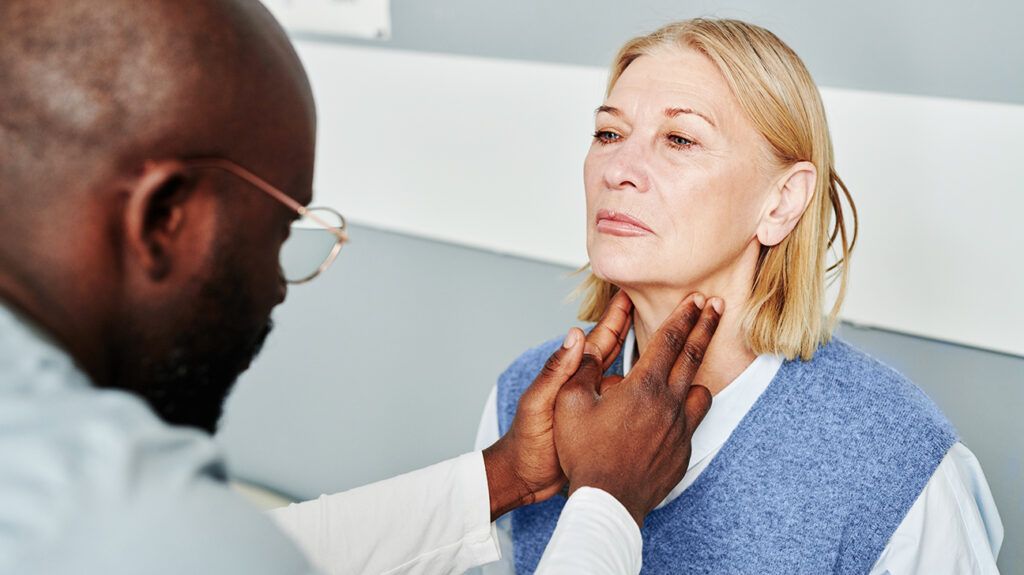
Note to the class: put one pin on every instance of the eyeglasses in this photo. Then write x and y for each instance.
(307, 252)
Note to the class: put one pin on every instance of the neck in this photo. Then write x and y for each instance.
(68, 330)
(728, 355)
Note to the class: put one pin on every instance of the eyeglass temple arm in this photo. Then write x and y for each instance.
(278, 195)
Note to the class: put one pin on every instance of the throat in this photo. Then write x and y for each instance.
(726, 358)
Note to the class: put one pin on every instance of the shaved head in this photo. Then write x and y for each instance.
(156, 278)
(84, 82)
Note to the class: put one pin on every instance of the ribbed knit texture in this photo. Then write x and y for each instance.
(815, 478)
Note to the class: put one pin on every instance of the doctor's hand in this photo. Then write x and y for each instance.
(522, 467)
(631, 437)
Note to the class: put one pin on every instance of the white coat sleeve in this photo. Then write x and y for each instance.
(433, 520)
(595, 535)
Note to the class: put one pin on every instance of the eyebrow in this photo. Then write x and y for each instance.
(669, 113)
(673, 112)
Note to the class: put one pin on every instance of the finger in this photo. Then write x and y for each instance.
(610, 332)
(557, 370)
(695, 407)
(667, 343)
(689, 361)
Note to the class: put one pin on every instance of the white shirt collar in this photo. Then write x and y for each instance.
(729, 406)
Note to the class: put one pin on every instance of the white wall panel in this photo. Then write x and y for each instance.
(489, 153)
(939, 187)
(481, 152)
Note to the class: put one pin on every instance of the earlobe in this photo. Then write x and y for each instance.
(154, 215)
(786, 205)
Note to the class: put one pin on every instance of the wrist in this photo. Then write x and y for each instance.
(592, 497)
(506, 488)
(636, 510)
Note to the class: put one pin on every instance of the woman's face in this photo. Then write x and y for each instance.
(676, 178)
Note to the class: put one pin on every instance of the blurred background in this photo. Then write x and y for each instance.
(452, 135)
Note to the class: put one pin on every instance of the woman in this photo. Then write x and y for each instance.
(712, 171)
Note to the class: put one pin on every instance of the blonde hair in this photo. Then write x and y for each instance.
(775, 90)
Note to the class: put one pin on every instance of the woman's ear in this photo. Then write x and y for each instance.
(789, 198)
(155, 214)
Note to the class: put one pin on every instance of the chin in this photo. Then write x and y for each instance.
(635, 272)
(622, 269)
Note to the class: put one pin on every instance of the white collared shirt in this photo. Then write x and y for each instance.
(953, 527)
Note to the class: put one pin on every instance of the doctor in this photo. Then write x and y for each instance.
(153, 159)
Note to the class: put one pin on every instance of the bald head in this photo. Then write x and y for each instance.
(88, 83)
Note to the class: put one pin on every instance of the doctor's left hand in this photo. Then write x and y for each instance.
(522, 467)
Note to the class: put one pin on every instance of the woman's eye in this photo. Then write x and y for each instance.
(680, 142)
(605, 137)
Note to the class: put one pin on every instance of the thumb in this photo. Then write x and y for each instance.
(556, 371)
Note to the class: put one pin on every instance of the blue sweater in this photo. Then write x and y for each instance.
(815, 478)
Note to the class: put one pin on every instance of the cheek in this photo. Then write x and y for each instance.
(591, 178)
(705, 220)
(260, 262)
(704, 213)
(592, 185)
(262, 246)
(713, 209)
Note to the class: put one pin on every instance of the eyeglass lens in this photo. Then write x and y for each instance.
(308, 246)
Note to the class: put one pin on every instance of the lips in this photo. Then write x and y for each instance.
(619, 224)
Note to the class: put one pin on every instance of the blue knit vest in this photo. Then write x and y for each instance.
(815, 478)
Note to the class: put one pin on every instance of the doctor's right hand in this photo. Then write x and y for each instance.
(522, 467)
(631, 437)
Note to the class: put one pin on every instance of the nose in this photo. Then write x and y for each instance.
(627, 167)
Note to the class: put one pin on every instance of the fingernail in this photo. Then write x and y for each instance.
(699, 300)
(571, 339)
(718, 304)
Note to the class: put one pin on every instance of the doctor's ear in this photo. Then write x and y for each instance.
(789, 198)
(155, 214)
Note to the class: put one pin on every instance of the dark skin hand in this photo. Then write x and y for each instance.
(523, 467)
(631, 437)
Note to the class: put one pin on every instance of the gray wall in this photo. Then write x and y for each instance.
(923, 47)
(383, 365)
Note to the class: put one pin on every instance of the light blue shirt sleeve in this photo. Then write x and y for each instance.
(91, 481)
